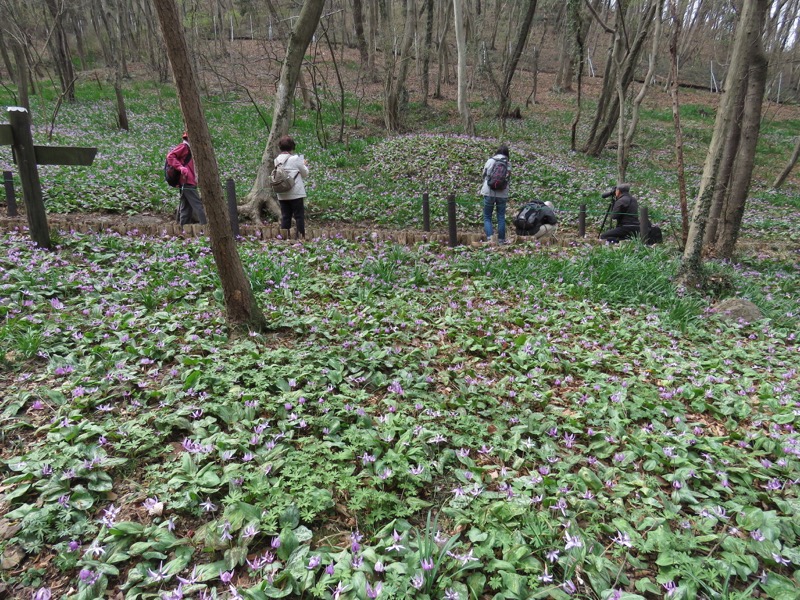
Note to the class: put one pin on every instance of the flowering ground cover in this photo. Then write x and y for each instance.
(505, 423)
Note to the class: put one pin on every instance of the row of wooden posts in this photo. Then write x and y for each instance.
(452, 237)
(27, 156)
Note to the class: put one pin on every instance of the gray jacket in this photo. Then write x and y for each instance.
(485, 189)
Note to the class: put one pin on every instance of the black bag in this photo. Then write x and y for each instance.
(529, 218)
(497, 176)
(172, 175)
(654, 236)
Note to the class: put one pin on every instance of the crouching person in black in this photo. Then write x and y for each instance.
(626, 212)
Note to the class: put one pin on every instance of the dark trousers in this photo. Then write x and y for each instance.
(620, 233)
(190, 208)
(293, 208)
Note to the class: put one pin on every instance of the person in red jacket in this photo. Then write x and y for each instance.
(190, 207)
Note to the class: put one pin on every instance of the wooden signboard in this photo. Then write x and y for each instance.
(27, 156)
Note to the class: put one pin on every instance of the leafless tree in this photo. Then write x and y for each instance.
(460, 25)
(240, 303)
(633, 22)
(740, 83)
(675, 18)
(396, 64)
(302, 32)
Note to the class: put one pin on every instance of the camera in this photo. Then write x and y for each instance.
(609, 193)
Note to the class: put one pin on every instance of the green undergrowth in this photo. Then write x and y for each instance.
(506, 423)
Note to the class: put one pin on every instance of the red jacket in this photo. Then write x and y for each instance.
(177, 157)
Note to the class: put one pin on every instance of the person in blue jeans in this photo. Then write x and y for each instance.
(495, 196)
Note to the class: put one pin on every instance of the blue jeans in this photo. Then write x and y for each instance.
(488, 206)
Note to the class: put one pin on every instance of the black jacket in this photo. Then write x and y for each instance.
(548, 217)
(626, 210)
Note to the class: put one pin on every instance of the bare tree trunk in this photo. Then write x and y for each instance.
(426, 61)
(461, 45)
(579, 56)
(284, 33)
(122, 35)
(676, 118)
(565, 69)
(23, 75)
(305, 25)
(115, 52)
(606, 117)
(789, 166)
(495, 23)
(748, 30)
(122, 113)
(442, 75)
(395, 86)
(60, 50)
(741, 176)
(6, 58)
(77, 28)
(240, 303)
(513, 60)
(372, 71)
(723, 176)
(99, 17)
(626, 140)
(358, 22)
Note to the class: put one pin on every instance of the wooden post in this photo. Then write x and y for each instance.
(644, 223)
(426, 213)
(230, 191)
(582, 221)
(451, 220)
(20, 121)
(11, 199)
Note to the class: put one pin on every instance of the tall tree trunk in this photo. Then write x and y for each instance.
(395, 86)
(461, 45)
(741, 175)
(122, 113)
(789, 166)
(676, 119)
(283, 33)
(115, 52)
(513, 59)
(607, 114)
(627, 135)
(563, 81)
(122, 35)
(23, 75)
(78, 30)
(6, 58)
(579, 57)
(358, 22)
(724, 175)
(60, 50)
(372, 37)
(426, 61)
(304, 27)
(240, 303)
(495, 23)
(98, 15)
(442, 73)
(748, 30)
